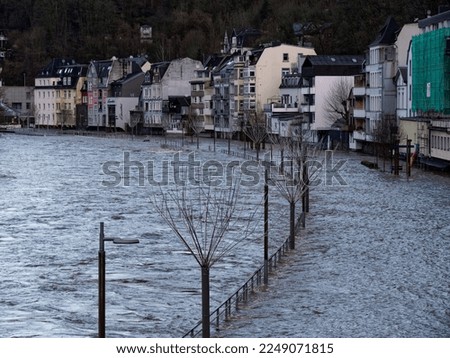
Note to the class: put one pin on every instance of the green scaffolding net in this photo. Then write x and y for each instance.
(431, 72)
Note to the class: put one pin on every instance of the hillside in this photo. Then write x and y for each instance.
(38, 30)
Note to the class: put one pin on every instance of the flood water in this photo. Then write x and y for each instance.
(374, 260)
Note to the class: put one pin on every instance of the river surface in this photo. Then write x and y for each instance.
(373, 261)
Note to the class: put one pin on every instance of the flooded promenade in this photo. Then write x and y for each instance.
(373, 261)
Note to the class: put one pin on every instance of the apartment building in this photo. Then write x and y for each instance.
(100, 75)
(163, 87)
(57, 93)
(248, 80)
(429, 89)
(380, 94)
(202, 92)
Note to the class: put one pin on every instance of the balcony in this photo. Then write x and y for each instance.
(372, 91)
(284, 107)
(308, 90)
(308, 108)
(359, 113)
(359, 91)
(359, 135)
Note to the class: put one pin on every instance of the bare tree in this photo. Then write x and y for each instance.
(296, 173)
(337, 106)
(255, 128)
(201, 217)
(336, 102)
(196, 124)
(385, 136)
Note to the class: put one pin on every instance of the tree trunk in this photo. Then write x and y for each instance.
(205, 302)
(292, 224)
(266, 228)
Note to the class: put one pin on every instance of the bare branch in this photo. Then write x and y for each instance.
(255, 128)
(336, 102)
(201, 216)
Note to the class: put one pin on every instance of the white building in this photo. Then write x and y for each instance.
(377, 94)
(327, 82)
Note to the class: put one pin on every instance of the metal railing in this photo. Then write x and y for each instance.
(242, 295)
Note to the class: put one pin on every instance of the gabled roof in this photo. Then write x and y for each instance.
(403, 73)
(157, 70)
(387, 34)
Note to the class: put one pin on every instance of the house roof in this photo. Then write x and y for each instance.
(74, 72)
(102, 68)
(330, 65)
(387, 34)
(51, 69)
(434, 19)
(129, 77)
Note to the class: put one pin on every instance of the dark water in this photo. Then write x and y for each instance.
(53, 197)
(373, 261)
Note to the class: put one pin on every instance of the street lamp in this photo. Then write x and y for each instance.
(101, 275)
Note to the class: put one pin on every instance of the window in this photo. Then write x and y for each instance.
(285, 57)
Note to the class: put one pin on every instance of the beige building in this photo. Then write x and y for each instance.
(272, 63)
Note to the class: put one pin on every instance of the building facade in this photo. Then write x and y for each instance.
(57, 93)
(100, 76)
(164, 80)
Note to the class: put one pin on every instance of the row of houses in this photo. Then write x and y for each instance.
(398, 91)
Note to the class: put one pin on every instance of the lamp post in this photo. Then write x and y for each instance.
(101, 275)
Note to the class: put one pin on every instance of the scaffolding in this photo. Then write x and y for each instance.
(431, 72)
